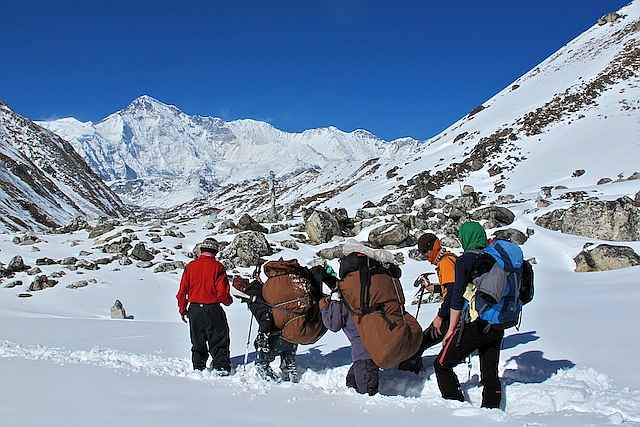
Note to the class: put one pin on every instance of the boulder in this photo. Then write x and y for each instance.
(42, 282)
(290, 244)
(155, 239)
(606, 257)
(174, 232)
(321, 227)
(125, 261)
(78, 284)
(141, 253)
(467, 190)
(495, 216)
(226, 225)
(99, 230)
(368, 204)
(617, 220)
(76, 224)
(345, 223)
(247, 249)
(331, 253)
(603, 181)
(33, 271)
(416, 255)
(69, 260)
(276, 228)
(164, 267)
(512, 235)
(16, 265)
(12, 284)
(543, 203)
(609, 18)
(246, 223)
(103, 261)
(87, 265)
(396, 210)
(392, 234)
(268, 217)
(450, 242)
(118, 311)
(26, 239)
(144, 264)
(58, 274)
(578, 172)
(120, 247)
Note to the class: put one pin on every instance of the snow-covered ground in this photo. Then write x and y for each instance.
(64, 361)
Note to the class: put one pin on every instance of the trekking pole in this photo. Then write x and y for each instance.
(246, 350)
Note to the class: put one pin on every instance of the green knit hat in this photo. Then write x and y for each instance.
(472, 236)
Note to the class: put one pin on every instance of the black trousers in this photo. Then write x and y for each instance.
(487, 341)
(209, 336)
(363, 376)
(277, 347)
(428, 340)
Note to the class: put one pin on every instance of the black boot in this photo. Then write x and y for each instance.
(288, 368)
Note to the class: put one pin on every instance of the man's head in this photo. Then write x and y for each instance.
(210, 246)
(429, 246)
(472, 236)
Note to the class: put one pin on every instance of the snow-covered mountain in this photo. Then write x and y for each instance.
(43, 181)
(173, 157)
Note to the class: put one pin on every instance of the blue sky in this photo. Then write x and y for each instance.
(394, 68)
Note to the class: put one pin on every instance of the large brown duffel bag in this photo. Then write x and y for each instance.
(374, 295)
(289, 292)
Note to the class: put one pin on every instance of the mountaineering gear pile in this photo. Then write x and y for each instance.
(372, 292)
(209, 336)
(293, 295)
(203, 281)
(487, 341)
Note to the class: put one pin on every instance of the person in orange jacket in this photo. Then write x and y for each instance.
(445, 262)
(204, 286)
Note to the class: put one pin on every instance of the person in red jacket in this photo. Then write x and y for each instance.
(204, 286)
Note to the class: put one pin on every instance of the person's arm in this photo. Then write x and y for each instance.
(222, 287)
(456, 294)
(183, 293)
(332, 316)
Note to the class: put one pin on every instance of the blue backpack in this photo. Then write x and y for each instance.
(498, 292)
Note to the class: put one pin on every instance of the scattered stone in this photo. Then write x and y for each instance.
(345, 223)
(99, 230)
(634, 177)
(609, 18)
(290, 244)
(35, 249)
(58, 274)
(141, 253)
(69, 261)
(42, 282)
(530, 231)
(26, 239)
(543, 203)
(24, 295)
(85, 253)
(12, 284)
(399, 257)
(155, 239)
(247, 248)
(396, 210)
(321, 227)
(467, 190)
(144, 264)
(86, 264)
(78, 284)
(76, 224)
(164, 267)
(368, 204)
(103, 261)
(276, 228)
(225, 225)
(118, 311)
(331, 253)
(45, 261)
(450, 242)
(505, 199)
(125, 261)
(392, 234)
(120, 247)
(33, 271)
(603, 181)
(178, 246)
(16, 265)
(173, 232)
(577, 173)
(606, 257)
(512, 235)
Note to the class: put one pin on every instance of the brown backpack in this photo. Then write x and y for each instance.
(388, 333)
(288, 290)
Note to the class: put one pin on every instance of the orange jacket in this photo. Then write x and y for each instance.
(204, 281)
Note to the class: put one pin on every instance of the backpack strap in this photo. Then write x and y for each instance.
(508, 265)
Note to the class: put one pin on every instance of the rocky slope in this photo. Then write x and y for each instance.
(43, 181)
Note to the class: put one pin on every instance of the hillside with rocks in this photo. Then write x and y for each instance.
(44, 183)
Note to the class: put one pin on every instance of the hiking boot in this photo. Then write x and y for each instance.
(412, 365)
(288, 368)
(266, 373)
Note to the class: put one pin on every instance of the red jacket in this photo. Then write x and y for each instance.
(204, 281)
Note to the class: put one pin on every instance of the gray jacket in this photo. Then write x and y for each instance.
(337, 316)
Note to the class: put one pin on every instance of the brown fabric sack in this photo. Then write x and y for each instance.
(295, 312)
(388, 333)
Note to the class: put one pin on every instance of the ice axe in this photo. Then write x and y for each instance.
(420, 282)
